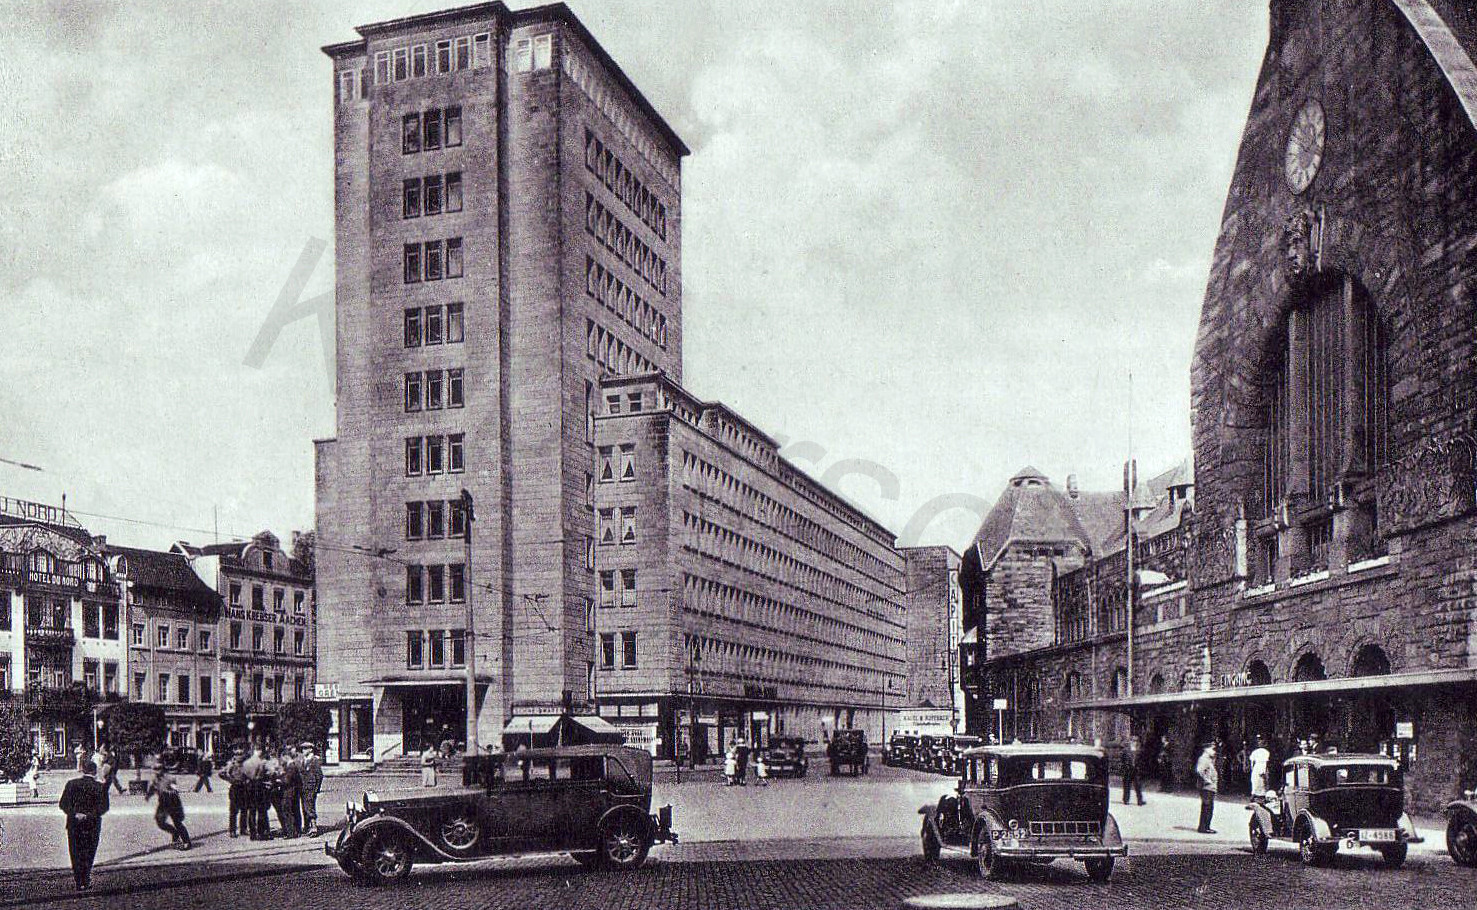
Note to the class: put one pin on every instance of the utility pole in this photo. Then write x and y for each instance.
(469, 634)
(1130, 482)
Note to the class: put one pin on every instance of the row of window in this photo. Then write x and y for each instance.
(712, 482)
(428, 648)
(628, 650)
(432, 390)
(259, 598)
(607, 526)
(723, 601)
(275, 688)
(99, 618)
(435, 584)
(279, 640)
(609, 170)
(421, 60)
(603, 224)
(433, 260)
(435, 519)
(613, 103)
(618, 465)
(43, 672)
(607, 349)
(718, 542)
(427, 131)
(431, 195)
(624, 594)
(757, 664)
(181, 690)
(172, 637)
(602, 285)
(435, 324)
(434, 455)
(535, 53)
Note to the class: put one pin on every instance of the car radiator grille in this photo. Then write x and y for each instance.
(1048, 829)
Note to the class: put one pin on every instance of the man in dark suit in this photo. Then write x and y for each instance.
(85, 801)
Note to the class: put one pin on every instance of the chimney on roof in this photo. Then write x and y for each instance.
(100, 541)
(1072, 485)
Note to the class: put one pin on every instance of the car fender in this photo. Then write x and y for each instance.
(371, 826)
(1460, 808)
(1321, 831)
(1263, 815)
(1112, 837)
(617, 811)
(1407, 830)
(986, 824)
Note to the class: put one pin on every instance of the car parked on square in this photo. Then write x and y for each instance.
(1461, 828)
(592, 802)
(1334, 800)
(1026, 803)
(785, 756)
(848, 749)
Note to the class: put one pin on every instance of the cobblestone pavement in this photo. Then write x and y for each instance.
(817, 842)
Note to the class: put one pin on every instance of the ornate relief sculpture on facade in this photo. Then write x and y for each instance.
(1432, 484)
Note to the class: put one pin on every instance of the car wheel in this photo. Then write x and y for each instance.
(1099, 869)
(1461, 840)
(1394, 855)
(931, 849)
(352, 868)
(387, 858)
(460, 834)
(1308, 850)
(990, 864)
(1258, 836)
(624, 842)
(590, 859)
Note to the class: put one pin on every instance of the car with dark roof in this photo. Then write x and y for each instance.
(592, 802)
(901, 751)
(785, 757)
(1026, 803)
(1330, 800)
(848, 749)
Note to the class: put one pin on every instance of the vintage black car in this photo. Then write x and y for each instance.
(592, 802)
(952, 750)
(1461, 828)
(1034, 803)
(928, 752)
(1333, 799)
(901, 751)
(785, 757)
(848, 749)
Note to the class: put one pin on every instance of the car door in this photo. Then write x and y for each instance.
(519, 814)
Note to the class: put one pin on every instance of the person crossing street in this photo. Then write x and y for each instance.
(203, 769)
(312, 783)
(169, 813)
(236, 800)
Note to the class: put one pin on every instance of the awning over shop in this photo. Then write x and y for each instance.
(538, 730)
(535, 723)
(1285, 690)
(452, 678)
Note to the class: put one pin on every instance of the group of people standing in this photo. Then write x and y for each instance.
(285, 781)
(736, 766)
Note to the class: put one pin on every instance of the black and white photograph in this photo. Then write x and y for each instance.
(738, 454)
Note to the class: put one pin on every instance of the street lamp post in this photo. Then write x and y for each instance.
(469, 634)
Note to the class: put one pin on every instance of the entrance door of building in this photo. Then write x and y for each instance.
(431, 714)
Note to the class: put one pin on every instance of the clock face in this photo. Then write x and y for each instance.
(1304, 147)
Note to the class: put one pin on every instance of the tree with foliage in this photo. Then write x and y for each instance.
(135, 729)
(304, 722)
(15, 740)
(303, 546)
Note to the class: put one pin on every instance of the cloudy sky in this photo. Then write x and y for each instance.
(925, 243)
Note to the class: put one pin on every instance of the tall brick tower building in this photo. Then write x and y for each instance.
(507, 210)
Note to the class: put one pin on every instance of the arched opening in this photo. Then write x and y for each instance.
(1370, 661)
(1257, 674)
(1156, 683)
(1308, 668)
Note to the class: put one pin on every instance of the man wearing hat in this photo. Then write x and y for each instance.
(85, 801)
(239, 810)
(312, 775)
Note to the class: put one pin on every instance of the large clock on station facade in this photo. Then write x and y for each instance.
(1305, 146)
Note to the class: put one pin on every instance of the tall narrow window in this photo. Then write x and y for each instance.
(543, 52)
(455, 458)
(1274, 479)
(413, 327)
(1325, 384)
(463, 53)
(418, 61)
(453, 131)
(454, 388)
(435, 452)
(481, 49)
(415, 591)
(431, 130)
(413, 456)
(454, 258)
(435, 383)
(434, 325)
(454, 192)
(455, 324)
(443, 56)
(410, 134)
(412, 391)
(402, 64)
(435, 261)
(412, 263)
(433, 194)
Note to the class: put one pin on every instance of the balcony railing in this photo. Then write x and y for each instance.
(50, 635)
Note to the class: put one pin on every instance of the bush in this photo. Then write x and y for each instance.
(135, 729)
(304, 722)
(15, 740)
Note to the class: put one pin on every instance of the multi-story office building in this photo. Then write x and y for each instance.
(736, 597)
(935, 626)
(268, 635)
(173, 646)
(507, 209)
(61, 646)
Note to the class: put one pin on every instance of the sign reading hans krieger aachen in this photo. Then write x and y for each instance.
(264, 616)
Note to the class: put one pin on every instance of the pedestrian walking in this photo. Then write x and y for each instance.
(743, 764)
(1259, 760)
(33, 776)
(1133, 755)
(108, 770)
(275, 790)
(730, 766)
(236, 800)
(429, 757)
(79, 755)
(1166, 765)
(312, 783)
(85, 802)
(1209, 780)
(204, 767)
(169, 812)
